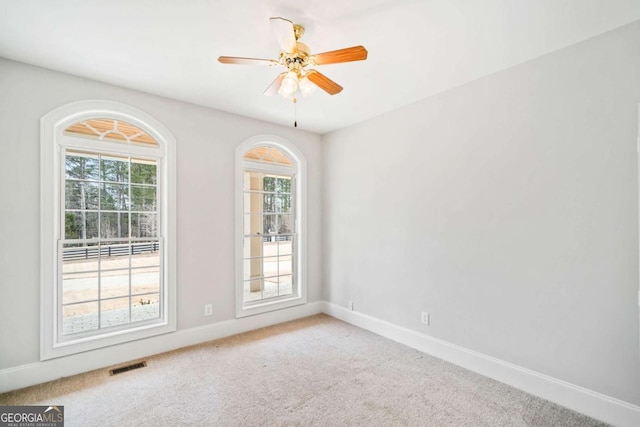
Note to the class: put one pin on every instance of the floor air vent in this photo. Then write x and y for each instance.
(131, 367)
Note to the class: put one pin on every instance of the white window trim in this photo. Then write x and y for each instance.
(51, 139)
(299, 169)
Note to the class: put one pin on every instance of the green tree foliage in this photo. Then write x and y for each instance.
(80, 171)
(72, 226)
(277, 205)
(109, 188)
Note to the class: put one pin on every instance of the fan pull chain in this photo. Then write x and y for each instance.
(295, 113)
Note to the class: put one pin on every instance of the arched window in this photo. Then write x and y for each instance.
(107, 227)
(270, 209)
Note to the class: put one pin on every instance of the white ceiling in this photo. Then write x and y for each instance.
(416, 47)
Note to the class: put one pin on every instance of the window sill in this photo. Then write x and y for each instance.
(267, 306)
(95, 342)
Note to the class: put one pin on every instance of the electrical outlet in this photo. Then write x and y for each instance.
(351, 305)
(424, 318)
(208, 309)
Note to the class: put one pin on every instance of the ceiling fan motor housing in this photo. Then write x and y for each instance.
(296, 61)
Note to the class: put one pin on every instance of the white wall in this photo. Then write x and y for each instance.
(506, 208)
(206, 140)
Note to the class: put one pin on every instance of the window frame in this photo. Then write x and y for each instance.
(53, 146)
(298, 170)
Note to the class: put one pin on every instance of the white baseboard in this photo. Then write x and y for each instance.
(580, 399)
(52, 369)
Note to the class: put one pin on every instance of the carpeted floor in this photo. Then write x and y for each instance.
(314, 371)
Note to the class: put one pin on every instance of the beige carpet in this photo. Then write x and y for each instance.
(314, 371)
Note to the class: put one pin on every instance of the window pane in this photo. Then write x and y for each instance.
(73, 225)
(252, 246)
(252, 290)
(81, 225)
(145, 308)
(143, 198)
(79, 317)
(143, 173)
(269, 205)
(285, 224)
(269, 224)
(283, 185)
(144, 225)
(253, 268)
(92, 225)
(116, 170)
(114, 312)
(269, 183)
(78, 257)
(81, 195)
(254, 201)
(283, 203)
(114, 225)
(285, 285)
(253, 224)
(270, 287)
(145, 254)
(270, 247)
(285, 246)
(270, 266)
(145, 281)
(285, 265)
(114, 255)
(81, 166)
(79, 287)
(114, 197)
(114, 283)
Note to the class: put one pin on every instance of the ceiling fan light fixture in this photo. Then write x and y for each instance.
(307, 87)
(295, 57)
(289, 85)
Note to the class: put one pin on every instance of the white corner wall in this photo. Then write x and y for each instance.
(206, 142)
(507, 209)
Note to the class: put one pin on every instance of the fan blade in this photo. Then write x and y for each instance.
(355, 53)
(246, 61)
(273, 87)
(324, 82)
(283, 30)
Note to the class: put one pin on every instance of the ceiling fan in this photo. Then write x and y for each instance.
(295, 56)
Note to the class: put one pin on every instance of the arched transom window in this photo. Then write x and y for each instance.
(111, 130)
